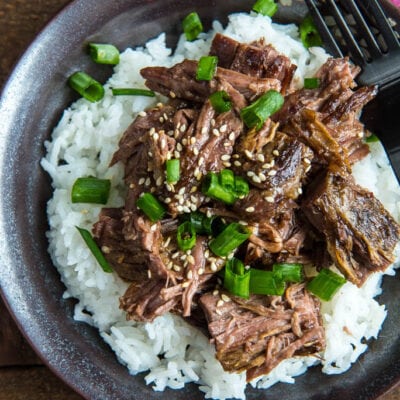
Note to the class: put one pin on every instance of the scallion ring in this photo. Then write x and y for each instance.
(90, 190)
(266, 283)
(212, 187)
(186, 236)
(265, 7)
(149, 204)
(326, 284)
(288, 272)
(192, 26)
(309, 34)
(206, 68)
(229, 239)
(86, 86)
(220, 101)
(104, 53)
(311, 83)
(237, 278)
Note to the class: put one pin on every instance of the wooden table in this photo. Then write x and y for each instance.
(22, 374)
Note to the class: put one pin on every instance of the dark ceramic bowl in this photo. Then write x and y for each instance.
(30, 107)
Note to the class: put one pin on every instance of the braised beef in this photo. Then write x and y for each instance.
(360, 234)
(257, 334)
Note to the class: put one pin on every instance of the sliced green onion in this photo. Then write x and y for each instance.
(227, 179)
(288, 272)
(372, 138)
(192, 26)
(220, 101)
(309, 34)
(104, 53)
(237, 278)
(149, 204)
(173, 170)
(86, 86)
(241, 187)
(229, 239)
(206, 68)
(311, 83)
(186, 236)
(258, 112)
(265, 7)
(132, 92)
(212, 187)
(90, 190)
(265, 282)
(326, 284)
(98, 255)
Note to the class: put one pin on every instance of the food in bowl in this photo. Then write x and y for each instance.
(225, 184)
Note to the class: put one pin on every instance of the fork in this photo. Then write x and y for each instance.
(378, 56)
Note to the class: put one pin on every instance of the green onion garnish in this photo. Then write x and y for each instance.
(132, 92)
(212, 187)
(265, 282)
(206, 68)
(237, 278)
(173, 170)
(227, 179)
(309, 34)
(192, 26)
(311, 83)
(258, 112)
(288, 272)
(153, 209)
(326, 284)
(98, 255)
(186, 236)
(220, 101)
(104, 53)
(372, 138)
(229, 239)
(265, 7)
(90, 190)
(86, 86)
(241, 187)
(202, 224)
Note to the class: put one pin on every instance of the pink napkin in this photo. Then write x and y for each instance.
(396, 2)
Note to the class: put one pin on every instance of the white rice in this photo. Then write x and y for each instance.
(172, 351)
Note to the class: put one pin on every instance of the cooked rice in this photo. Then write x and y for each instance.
(171, 350)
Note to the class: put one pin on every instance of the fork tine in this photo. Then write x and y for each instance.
(373, 7)
(324, 30)
(362, 25)
(351, 42)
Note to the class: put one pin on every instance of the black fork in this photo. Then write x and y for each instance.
(361, 30)
(364, 32)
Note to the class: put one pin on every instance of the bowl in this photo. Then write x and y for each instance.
(32, 102)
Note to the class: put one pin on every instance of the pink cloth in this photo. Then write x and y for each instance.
(396, 2)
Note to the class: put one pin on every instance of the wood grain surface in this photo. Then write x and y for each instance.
(22, 374)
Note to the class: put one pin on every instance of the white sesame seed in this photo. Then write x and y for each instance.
(220, 303)
(196, 151)
(237, 163)
(225, 298)
(150, 154)
(170, 265)
(105, 249)
(250, 209)
(149, 274)
(189, 275)
(193, 189)
(155, 137)
(152, 131)
(193, 198)
(179, 208)
(172, 94)
(243, 223)
(170, 133)
(141, 181)
(176, 268)
(181, 200)
(181, 191)
(213, 122)
(160, 105)
(186, 209)
(161, 119)
(218, 312)
(260, 157)
(192, 140)
(201, 160)
(232, 136)
(225, 157)
(184, 141)
(308, 168)
(177, 154)
(226, 164)
(183, 257)
(213, 267)
(262, 177)
(175, 255)
(235, 156)
(166, 243)
(215, 292)
(272, 172)
(165, 117)
(250, 174)
(249, 154)
(185, 284)
(147, 181)
(223, 128)
(307, 161)
(256, 179)
(199, 176)
(299, 190)
(179, 147)
(275, 152)
(215, 132)
(269, 199)
(176, 133)
(142, 113)
(227, 144)
(159, 181)
(191, 259)
(183, 128)
(193, 207)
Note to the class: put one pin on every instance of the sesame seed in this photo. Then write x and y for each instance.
(196, 151)
(235, 156)
(275, 152)
(232, 136)
(159, 181)
(249, 154)
(186, 209)
(308, 168)
(179, 208)
(215, 292)
(227, 144)
(215, 132)
(105, 249)
(213, 122)
(198, 176)
(181, 200)
(220, 303)
(201, 160)
(237, 163)
(176, 268)
(170, 265)
(162, 143)
(147, 181)
(176, 133)
(272, 172)
(161, 119)
(141, 181)
(183, 128)
(189, 275)
(185, 284)
(225, 298)
(250, 174)
(166, 243)
(191, 259)
(300, 190)
(260, 157)
(219, 312)
(179, 147)
(183, 257)
(193, 207)
(172, 94)
(193, 189)
(250, 209)
(160, 105)
(262, 177)
(193, 199)
(142, 113)
(225, 157)
(213, 267)
(177, 154)
(170, 133)
(165, 117)
(155, 137)
(256, 179)
(223, 128)
(149, 274)
(150, 154)
(152, 131)
(307, 161)
(184, 141)
(243, 223)
(175, 255)
(269, 199)
(192, 140)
